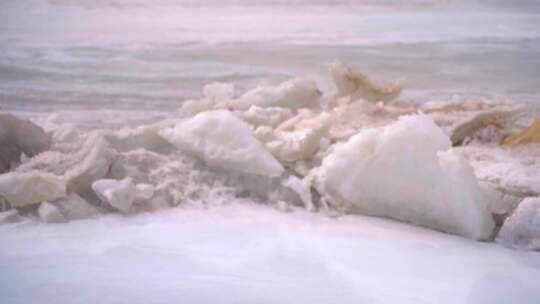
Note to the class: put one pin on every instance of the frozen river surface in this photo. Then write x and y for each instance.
(254, 254)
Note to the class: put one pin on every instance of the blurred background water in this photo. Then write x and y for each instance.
(118, 62)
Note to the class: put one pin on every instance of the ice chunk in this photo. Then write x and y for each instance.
(358, 86)
(501, 202)
(224, 141)
(265, 134)
(468, 204)
(257, 116)
(406, 172)
(142, 137)
(292, 94)
(522, 228)
(158, 202)
(79, 163)
(282, 206)
(74, 207)
(60, 131)
(350, 117)
(19, 136)
(302, 188)
(468, 126)
(514, 170)
(94, 163)
(191, 107)
(301, 143)
(215, 94)
(27, 188)
(66, 133)
(137, 164)
(144, 192)
(49, 213)
(118, 194)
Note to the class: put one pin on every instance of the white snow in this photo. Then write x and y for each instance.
(406, 171)
(224, 141)
(253, 254)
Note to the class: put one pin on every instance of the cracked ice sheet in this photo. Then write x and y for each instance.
(244, 253)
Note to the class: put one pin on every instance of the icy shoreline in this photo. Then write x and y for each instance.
(246, 253)
(350, 151)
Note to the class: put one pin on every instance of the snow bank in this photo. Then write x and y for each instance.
(224, 141)
(406, 172)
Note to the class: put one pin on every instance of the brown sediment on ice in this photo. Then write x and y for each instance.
(357, 85)
(527, 136)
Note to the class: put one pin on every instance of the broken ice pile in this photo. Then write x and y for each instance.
(357, 150)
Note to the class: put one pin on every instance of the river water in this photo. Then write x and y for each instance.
(112, 63)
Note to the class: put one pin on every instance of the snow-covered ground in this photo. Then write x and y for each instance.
(245, 253)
